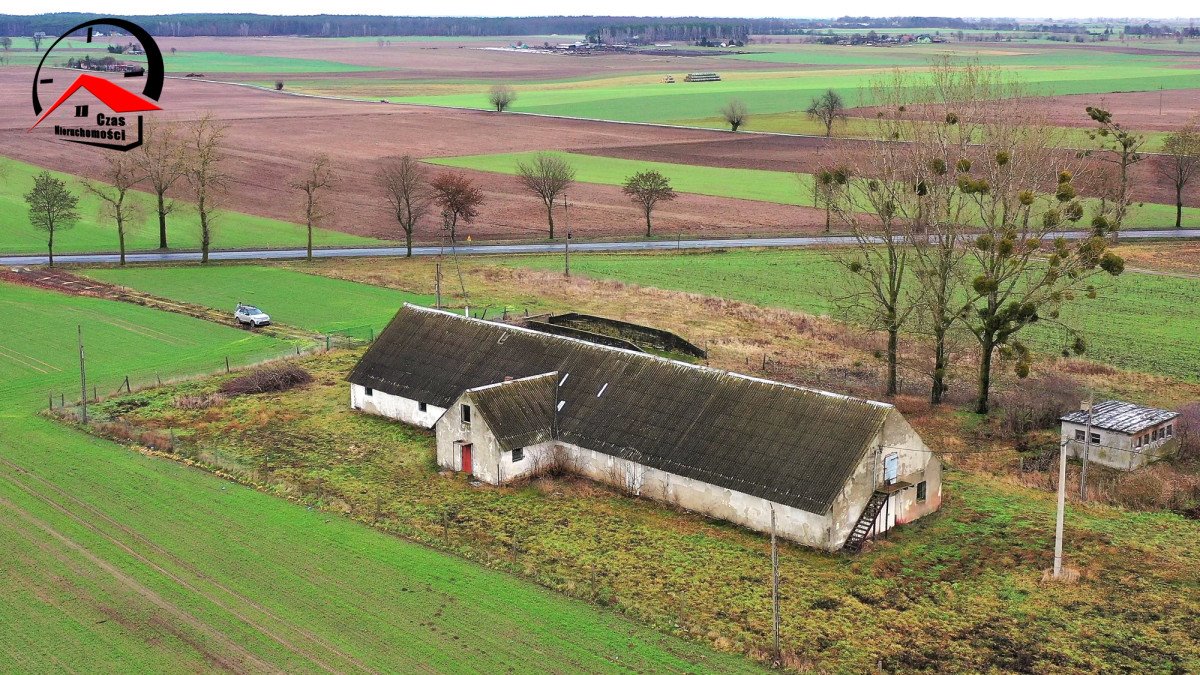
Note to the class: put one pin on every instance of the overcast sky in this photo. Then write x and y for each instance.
(747, 8)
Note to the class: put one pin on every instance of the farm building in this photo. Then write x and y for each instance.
(1122, 435)
(507, 402)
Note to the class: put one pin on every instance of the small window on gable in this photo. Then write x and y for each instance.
(422, 407)
(1170, 430)
(1079, 434)
(367, 391)
(518, 454)
(922, 488)
(466, 414)
(1095, 438)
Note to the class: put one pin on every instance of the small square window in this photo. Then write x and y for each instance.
(1146, 439)
(518, 454)
(1138, 443)
(466, 414)
(1079, 434)
(921, 491)
(1170, 430)
(368, 391)
(422, 407)
(1095, 438)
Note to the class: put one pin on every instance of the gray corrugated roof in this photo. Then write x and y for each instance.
(1120, 416)
(519, 412)
(789, 444)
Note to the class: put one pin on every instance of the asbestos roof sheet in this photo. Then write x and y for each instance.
(788, 444)
(520, 412)
(1120, 416)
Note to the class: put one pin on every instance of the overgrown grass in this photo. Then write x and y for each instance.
(960, 589)
(119, 561)
(95, 233)
(1136, 324)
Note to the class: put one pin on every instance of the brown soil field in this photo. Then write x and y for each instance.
(271, 137)
(808, 154)
(450, 60)
(1134, 110)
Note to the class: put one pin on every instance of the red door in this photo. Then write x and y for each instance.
(466, 458)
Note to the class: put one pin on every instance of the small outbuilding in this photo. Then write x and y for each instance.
(1120, 435)
(508, 402)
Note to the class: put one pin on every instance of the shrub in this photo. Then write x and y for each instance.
(266, 379)
(198, 401)
(1188, 428)
(1038, 403)
(278, 85)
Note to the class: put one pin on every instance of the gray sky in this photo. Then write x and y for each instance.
(748, 8)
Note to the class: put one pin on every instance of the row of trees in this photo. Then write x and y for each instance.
(955, 229)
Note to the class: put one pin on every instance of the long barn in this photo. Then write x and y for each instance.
(507, 402)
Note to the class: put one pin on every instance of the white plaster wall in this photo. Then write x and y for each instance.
(396, 407)
(1118, 450)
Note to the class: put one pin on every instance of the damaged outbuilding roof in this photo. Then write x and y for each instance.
(787, 444)
(1121, 416)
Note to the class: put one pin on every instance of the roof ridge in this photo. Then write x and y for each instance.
(655, 357)
(512, 381)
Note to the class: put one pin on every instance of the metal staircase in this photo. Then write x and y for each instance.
(866, 522)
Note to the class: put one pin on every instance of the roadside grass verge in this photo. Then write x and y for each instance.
(233, 229)
(290, 296)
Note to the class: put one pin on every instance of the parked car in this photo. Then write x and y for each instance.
(251, 316)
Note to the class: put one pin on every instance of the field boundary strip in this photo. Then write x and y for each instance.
(21, 358)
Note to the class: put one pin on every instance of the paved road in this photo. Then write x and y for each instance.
(507, 249)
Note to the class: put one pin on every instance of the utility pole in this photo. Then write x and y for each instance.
(775, 584)
(1087, 450)
(1062, 507)
(567, 246)
(437, 282)
(82, 375)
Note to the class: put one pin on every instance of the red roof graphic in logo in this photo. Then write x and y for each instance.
(110, 94)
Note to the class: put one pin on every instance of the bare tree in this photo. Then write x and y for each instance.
(459, 199)
(1121, 147)
(501, 96)
(52, 207)
(547, 175)
(647, 189)
(1180, 163)
(827, 109)
(120, 175)
(735, 113)
(202, 159)
(160, 161)
(405, 182)
(316, 181)
(829, 190)
(37, 43)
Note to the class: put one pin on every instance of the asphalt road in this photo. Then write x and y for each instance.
(503, 249)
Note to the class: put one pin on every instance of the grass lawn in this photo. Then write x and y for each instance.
(1136, 323)
(118, 561)
(778, 187)
(233, 230)
(293, 298)
(960, 589)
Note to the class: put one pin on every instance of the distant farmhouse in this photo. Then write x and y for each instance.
(1123, 435)
(508, 402)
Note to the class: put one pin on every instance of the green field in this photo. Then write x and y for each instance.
(233, 230)
(293, 298)
(117, 561)
(1136, 324)
(779, 187)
